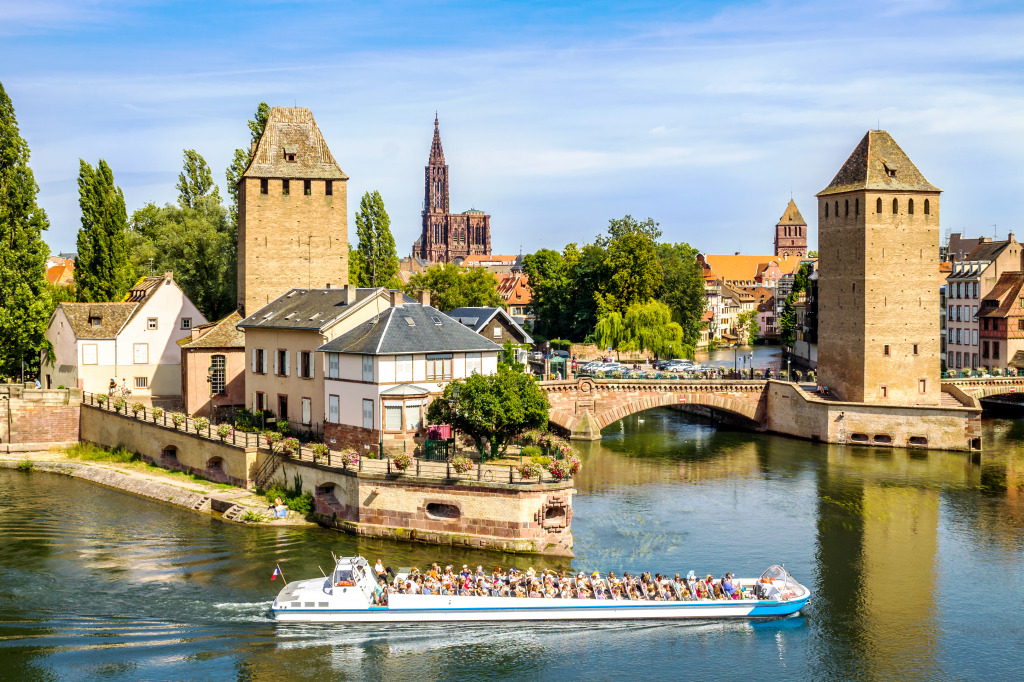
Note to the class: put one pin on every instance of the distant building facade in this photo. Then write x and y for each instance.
(213, 367)
(292, 212)
(1001, 319)
(878, 329)
(448, 237)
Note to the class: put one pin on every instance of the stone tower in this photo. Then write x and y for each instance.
(292, 212)
(447, 237)
(878, 294)
(791, 233)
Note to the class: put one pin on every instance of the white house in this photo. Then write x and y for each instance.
(381, 375)
(134, 341)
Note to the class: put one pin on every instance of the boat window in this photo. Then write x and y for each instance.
(344, 577)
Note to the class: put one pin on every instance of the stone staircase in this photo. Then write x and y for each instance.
(233, 512)
(202, 504)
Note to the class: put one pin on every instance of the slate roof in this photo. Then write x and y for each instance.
(878, 163)
(391, 333)
(987, 250)
(223, 333)
(309, 309)
(293, 130)
(477, 318)
(791, 216)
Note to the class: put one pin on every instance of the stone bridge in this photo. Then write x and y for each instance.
(585, 406)
(988, 386)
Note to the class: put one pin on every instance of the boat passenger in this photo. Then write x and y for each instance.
(728, 587)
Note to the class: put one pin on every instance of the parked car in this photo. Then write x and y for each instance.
(536, 355)
(560, 354)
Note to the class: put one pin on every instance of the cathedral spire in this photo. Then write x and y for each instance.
(436, 153)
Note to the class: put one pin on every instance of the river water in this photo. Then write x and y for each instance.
(917, 561)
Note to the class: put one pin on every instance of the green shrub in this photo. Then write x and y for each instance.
(531, 451)
(94, 453)
(252, 516)
(26, 465)
(541, 460)
(297, 501)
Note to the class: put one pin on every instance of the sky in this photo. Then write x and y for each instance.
(555, 116)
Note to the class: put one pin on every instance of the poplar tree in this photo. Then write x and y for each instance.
(241, 159)
(103, 271)
(195, 182)
(23, 253)
(376, 260)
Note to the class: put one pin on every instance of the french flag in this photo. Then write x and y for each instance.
(277, 572)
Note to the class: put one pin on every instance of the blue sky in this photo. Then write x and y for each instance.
(555, 116)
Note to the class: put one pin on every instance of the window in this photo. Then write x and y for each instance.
(974, 360)
(927, 207)
(974, 312)
(368, 368)
(473, 364)
(307, 411)
(884, 391)
(282, 407)
(975, 290)
(367, 413)
(846, 208)
(289, 156)
(958, 364)
(910, 207)
(259, 401)
(264, 186)
(88, 353)
(403, 368)
(393, 417)
(915, 349)
(307, 187)
(151, 323)
(826, 209)
(413, 416)
(922, 386)
(186, 323)
(304, 359)
(141, 354)
(333, 408)
(837, 209)
(885, 349)
(1020, 325)
(856, 207)
(96, 321)
(878, 205)
(286, 187)
(995, 350)
(895, 206)
(281, 368)
(259, 361)
(328, 188)
(974, 337)
(141, 382)
(439, 367)
(218, 383)
(497, 331)
(332, 366)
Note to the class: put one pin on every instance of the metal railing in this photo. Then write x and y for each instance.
(368, 460)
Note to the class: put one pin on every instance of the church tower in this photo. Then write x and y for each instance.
(791, 233)
(878, 298)
(292, 212)
(447, 237)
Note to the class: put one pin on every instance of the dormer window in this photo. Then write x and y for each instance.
(95, 321)
(290, 154)
(891, 172)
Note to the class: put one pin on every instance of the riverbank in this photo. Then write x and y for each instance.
(223, 501)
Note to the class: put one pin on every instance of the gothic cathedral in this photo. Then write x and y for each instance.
(448, 237)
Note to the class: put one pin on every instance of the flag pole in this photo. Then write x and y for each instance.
(282, 575)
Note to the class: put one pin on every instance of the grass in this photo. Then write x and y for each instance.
(252, 516)
(26, 465)
(93, 453)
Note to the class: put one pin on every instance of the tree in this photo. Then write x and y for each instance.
(240, 161)
(493, 409)
(632, 261)
(195, 182)
(644, 326)
(618, 228)
(812, 254)
(376, 261)
(452, 287)
(787, 320)
(23, 253)
(746, 325)
(103, 271)
(682, 288)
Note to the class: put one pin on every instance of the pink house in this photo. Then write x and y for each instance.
(213, 367)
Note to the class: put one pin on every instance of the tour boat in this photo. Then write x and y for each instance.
(347, 596)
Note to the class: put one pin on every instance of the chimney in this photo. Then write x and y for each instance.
(169, 275)
(252, 150)
(350, 294)
(424, 297)
(396, 299)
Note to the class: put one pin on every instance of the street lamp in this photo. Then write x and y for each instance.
(751, 356)
(209, 380)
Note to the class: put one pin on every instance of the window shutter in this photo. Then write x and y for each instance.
(286, 368)
(264, 363)
(276, 369)
(312, 371)
(253, 363)
(254, 401)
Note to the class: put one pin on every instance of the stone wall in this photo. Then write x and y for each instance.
(791, 411)
(517, 518)
(169, 447)
(32, 418)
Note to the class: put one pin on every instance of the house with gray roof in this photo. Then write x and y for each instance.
(284, 378)
(382, 374)
(496, 325)
(133, 342)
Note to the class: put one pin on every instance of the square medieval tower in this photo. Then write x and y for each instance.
(878, 293)
(292, 212)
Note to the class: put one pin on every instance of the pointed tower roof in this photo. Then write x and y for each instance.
(436, 153)
(292, 133)
(792, 216)
(878, 163)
